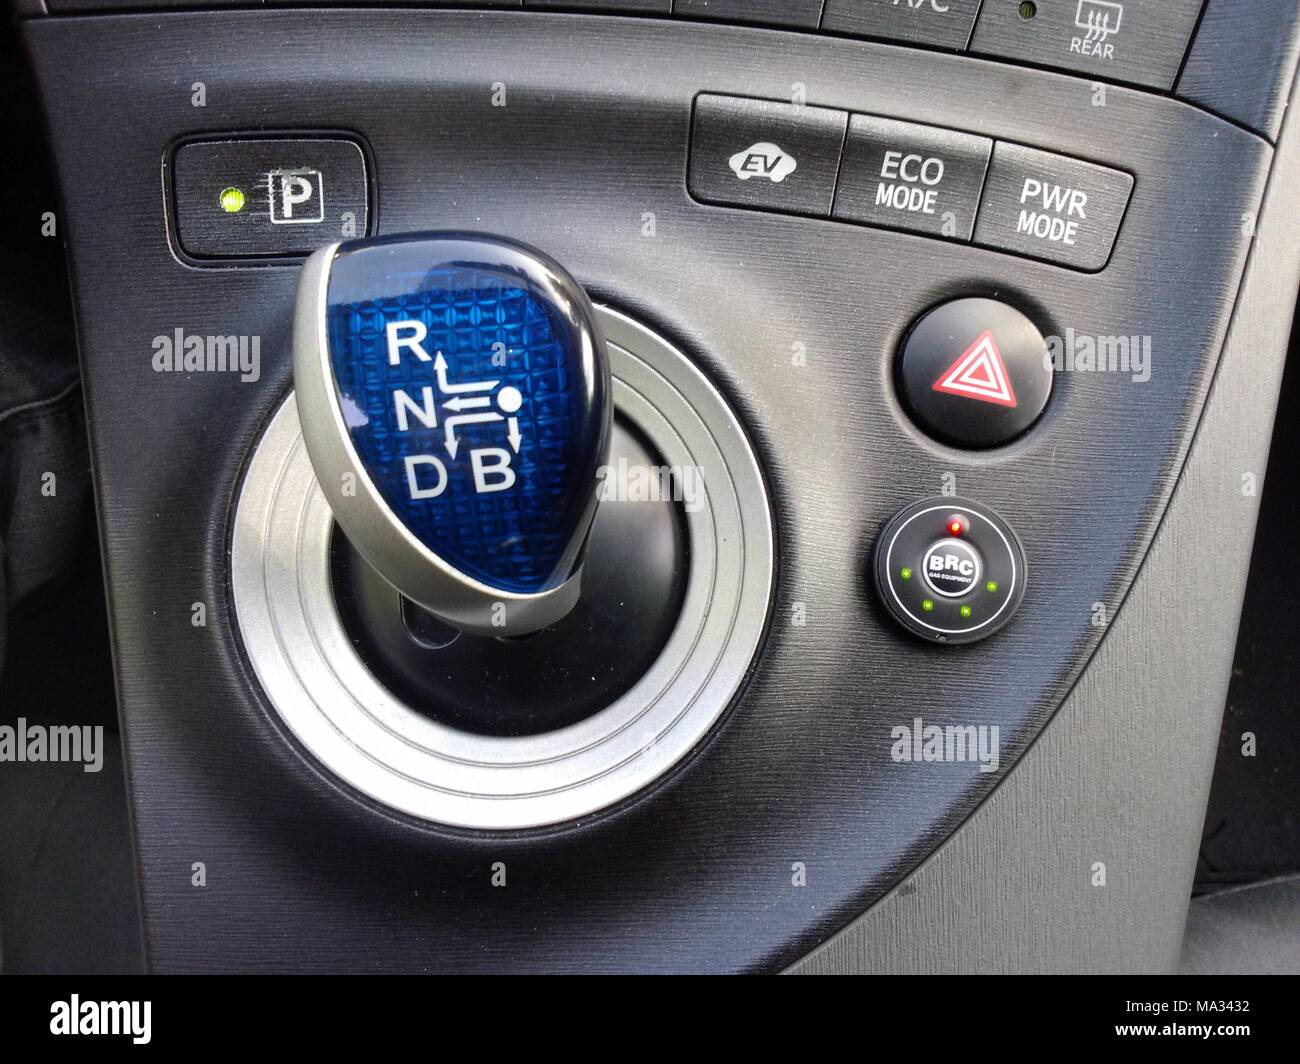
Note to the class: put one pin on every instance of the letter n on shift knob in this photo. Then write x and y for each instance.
(462, 380)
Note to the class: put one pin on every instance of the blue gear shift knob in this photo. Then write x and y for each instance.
(455, 399)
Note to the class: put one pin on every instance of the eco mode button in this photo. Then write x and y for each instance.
(906, 176)
(1052, 207)
(758, 153)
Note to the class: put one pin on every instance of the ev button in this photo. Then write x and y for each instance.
(952, 568)
(764, 154)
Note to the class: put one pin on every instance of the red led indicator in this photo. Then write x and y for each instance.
(956, 526)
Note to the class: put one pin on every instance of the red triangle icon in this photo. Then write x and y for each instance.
(979, 374)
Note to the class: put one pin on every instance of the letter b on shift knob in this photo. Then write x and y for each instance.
(455, 400)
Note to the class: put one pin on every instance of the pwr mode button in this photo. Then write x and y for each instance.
(1052, 207)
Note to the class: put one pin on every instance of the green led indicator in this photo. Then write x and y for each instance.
(965, 612)
(906, 574)
(991, 587)
(232, 200)
(928, 605)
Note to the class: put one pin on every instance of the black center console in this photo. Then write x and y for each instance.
(856, 262)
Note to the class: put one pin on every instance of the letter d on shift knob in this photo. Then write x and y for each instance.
(455, 399)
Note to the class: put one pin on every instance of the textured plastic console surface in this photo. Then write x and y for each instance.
(796, 319)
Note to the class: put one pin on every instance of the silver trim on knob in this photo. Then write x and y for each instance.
(340, 714)
(370, 524)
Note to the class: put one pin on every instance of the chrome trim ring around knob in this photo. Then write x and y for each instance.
(344, 718)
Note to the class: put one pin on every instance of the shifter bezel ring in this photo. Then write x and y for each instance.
(356, 728)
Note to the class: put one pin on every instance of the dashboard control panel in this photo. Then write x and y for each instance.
(788, 374)
(799, 159)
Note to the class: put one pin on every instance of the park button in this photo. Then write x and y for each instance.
(974, 373)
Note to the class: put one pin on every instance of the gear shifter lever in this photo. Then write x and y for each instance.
(455, 399)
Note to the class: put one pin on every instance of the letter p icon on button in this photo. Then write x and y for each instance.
(297, 197)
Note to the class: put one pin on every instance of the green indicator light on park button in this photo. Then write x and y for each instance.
(965, 612)
(991, 587)
(928, 605)
(232, 200)
(906, 574)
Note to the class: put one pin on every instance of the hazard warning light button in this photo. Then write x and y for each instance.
(975, 373)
